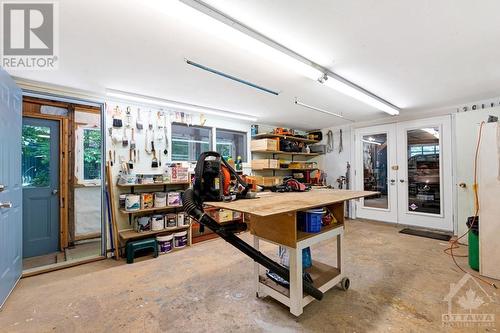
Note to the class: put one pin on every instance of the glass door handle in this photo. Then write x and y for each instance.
(6, 204)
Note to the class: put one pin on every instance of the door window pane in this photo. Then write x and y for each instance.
(188, 142)
(232, 144)
(91, 154)
(375, 169)
(423, 171)
(36, 156)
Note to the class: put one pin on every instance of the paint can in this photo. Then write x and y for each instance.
(157, 222)
(142, 224)
(174, 199)
(160, 199)
(165, 243)
(181, 218)
(180, 239)
(132, 202)
(122, 200)
(171, 220)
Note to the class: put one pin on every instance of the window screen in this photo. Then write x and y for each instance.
(232, 144)
(188, 142)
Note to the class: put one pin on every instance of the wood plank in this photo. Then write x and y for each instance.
(301, 235)
(146, 210)
(271, 136)
(278, 152)
(114, 225)
(151, 185)
(280, 228)
(269, 203)
(127, 235)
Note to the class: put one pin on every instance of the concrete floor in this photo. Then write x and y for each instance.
(398, 283)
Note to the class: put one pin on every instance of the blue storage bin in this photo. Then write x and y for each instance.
(306, 258)
(310, 221)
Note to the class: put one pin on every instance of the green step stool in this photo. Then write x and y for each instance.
(132, 247)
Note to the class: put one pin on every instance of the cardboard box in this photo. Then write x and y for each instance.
(265, 164)
(265, 144)
(222, 215)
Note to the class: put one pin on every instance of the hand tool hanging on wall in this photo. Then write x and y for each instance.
(329, 141)
(150, 125)
(124, 139)
(159, 126)
(132, 140)
(154, 162)
(165, 151)
(128, 113)
(193, 199)
(117, 120)
(138, 121)
(110, 158)
(341, 144)
(130, 161)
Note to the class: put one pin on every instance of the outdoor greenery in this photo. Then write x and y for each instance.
(92, 142)
(36, 156)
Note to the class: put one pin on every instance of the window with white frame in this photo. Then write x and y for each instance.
(188, 142)
(231, 144)
(89, 155)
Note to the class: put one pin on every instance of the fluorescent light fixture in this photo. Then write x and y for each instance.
(350, 89)
(372, 142)
(320, 110)
(208, 18)
(432, 131)
(177, 105)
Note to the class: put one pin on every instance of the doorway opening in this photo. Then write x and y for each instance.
(61, 175)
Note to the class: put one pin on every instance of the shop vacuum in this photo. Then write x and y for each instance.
(216, 180)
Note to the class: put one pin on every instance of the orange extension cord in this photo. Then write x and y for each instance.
(454, 244)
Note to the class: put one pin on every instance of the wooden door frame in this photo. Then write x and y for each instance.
(66, 159)
(63, 171)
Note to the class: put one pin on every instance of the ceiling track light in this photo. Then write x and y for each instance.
(321, 110)
(300, 64)
(159, 102)
(234, 78)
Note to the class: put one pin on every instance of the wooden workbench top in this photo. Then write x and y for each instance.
(269, 203)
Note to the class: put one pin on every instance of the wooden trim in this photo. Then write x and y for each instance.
(64, 185)
(110, 186)
(70, 175)
(58, 266)
(91, 235)
(43, 101)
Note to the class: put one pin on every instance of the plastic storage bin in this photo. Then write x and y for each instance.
(310, 220)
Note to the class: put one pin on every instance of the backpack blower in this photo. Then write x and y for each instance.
(216, 180)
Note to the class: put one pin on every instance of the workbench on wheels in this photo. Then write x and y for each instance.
(273, 218)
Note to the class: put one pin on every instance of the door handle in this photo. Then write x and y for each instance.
(2, 187)
(55, 191)
(393, 181)
(401, 180)
(6, 204)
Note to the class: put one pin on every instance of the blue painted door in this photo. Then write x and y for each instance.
(10, 185)
(40, 174)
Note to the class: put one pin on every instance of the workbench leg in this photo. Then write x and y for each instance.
(295, 281)
(340, 257)
(256, 269)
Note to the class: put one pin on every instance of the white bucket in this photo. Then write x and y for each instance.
(165, 243)
(181, 218)
(157, 222)
(171, 221)
(180, 239)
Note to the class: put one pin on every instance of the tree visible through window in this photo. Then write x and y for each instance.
(92, 154)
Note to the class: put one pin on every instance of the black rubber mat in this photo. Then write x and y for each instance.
(426, 234)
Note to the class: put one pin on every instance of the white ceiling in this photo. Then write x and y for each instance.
(416, 54)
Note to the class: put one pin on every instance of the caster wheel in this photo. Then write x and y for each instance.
(345, 283)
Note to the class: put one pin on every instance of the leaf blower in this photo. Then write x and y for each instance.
(216, 180)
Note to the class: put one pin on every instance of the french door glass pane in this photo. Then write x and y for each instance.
(375, 169)
(36, 156)
(423, 171)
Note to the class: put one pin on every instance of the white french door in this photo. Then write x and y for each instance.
(409, 163)
(375, 161)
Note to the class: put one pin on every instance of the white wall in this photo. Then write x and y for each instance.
(466, 134)
(335, 163)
